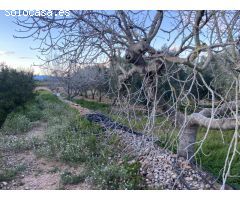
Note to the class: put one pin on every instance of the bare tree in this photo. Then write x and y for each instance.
(197, 37)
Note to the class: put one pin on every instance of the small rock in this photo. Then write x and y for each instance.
(150, 176)
(174, 155)
(4, 183)
(207, 186)
(174, 176)
(120, 162)
(131, 162)
(188, 178)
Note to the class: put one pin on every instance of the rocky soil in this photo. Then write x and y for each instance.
(161, 168)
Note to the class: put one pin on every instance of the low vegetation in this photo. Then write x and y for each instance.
(16, 123)
(69, 178)
(74, 140)
(212, 155)
(10, 173)
(93, 105)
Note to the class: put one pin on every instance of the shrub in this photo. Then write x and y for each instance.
(114, 176)
(31, 110)
(7, 174)
(69, 178)
(16, 88)
(17, 144)
(34, 114)
(11, 173)
(16, 123)
(69, 145)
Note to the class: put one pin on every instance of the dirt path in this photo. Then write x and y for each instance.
(37, 173)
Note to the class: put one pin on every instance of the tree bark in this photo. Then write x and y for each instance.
(186, 142)
(86, 95)
(100, 96)
(93, 94)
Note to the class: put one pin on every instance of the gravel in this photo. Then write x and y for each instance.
(161, 168)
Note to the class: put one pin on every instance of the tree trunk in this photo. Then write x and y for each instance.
(68, 93)
(186, 143)
(86, 94)
(100, 96)
(93, 94)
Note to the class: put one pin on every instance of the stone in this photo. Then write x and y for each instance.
(150, 176)
(4, 183)
(174, 176)
(188, 178)
(207, 186)
(131, 162)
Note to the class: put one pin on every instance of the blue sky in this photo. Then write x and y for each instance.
(17, 53)
(13, 51)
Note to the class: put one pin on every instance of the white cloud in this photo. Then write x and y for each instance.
(4, 53)
(25, 57)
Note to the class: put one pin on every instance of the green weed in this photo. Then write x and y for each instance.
(16, 124)
(92, 105)
(69, 178)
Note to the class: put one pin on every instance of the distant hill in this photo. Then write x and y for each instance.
(41, 77)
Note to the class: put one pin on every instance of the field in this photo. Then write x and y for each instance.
(55, 143)
(79, 155)
(212, 155)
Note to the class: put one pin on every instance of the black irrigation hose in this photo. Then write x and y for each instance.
(108, 123)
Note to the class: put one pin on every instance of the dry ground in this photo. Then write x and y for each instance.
(39, 173)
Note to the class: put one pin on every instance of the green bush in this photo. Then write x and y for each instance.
(31, 110)
(11, 173)
(17, 144)
(16, 88)
(34, 114)
(69, 178)
(7, 174)
(16, 123)
(123, 176)
(69, 145)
